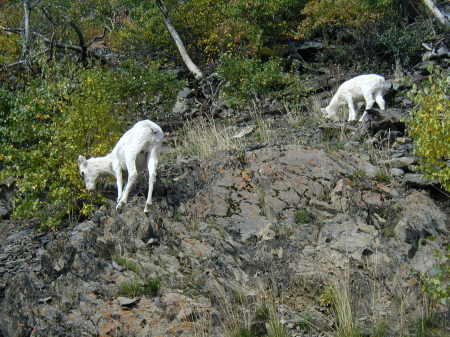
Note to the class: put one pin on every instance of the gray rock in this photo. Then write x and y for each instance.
(418, 179)
(396, 172)
(399, 162)
(181, 106)
(127, 302)
(184, 93)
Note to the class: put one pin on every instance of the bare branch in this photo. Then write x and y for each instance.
(80, 39)
(11, 30)
(97, 38)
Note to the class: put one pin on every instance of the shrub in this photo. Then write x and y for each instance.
(327, 16)
(429, 126)
(208, 27)
(250, 78)
(437, 282)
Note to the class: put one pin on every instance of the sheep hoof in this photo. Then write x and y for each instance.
(119, 207)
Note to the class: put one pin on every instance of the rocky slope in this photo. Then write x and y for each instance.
(281, 224)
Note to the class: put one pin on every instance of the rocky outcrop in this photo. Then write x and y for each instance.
(290, 217)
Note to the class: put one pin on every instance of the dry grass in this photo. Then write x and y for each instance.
(263, 132)
(341, 307)
(204, 137)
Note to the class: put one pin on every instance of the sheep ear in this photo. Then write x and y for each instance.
(82, 161)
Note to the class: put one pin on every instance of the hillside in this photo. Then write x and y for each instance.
(268, 220)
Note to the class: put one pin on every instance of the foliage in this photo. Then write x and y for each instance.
(208, 27)
(250, 78)
(66, 112)
(326, 16)
(429, 126)
(399, 40)
(437, 282)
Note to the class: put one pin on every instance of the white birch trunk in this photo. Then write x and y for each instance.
(436, 12)
(178, 42)
(26, 29)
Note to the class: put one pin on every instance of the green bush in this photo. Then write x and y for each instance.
(250, 78)
(437, 282)
(208, 27)
(429, 126)
(67, 112)
(327, 17)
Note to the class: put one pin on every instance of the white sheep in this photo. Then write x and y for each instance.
(137, 148)
(369, 88)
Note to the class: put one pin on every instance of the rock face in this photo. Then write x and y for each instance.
(292, 217)
(6, 195)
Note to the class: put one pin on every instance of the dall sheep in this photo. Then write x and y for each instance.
(137, 148)
(369, 88)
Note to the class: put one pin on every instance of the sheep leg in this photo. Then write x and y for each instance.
(132, 177)
(368, 97)
(119, 181)
(351, 108)
(152, 163)
(380, 101)
(363, 117)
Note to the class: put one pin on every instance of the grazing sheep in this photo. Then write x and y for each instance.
(369, 88)
(137, 148)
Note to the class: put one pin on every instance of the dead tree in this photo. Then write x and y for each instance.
(26, 32)
(436, 12)
(178, 41)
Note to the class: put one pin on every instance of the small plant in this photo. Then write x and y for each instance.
(382, 176)
(342, 310)
(130, 289)
(359, 175)
(305, 323)
(326, 298)
(127, 263)
(151, 287)
(262, 312)
(275, 328)
(135, 288)
(437, 283)
(302, 216)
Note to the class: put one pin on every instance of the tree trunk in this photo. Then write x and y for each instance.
(436, 12)
(179, 43)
